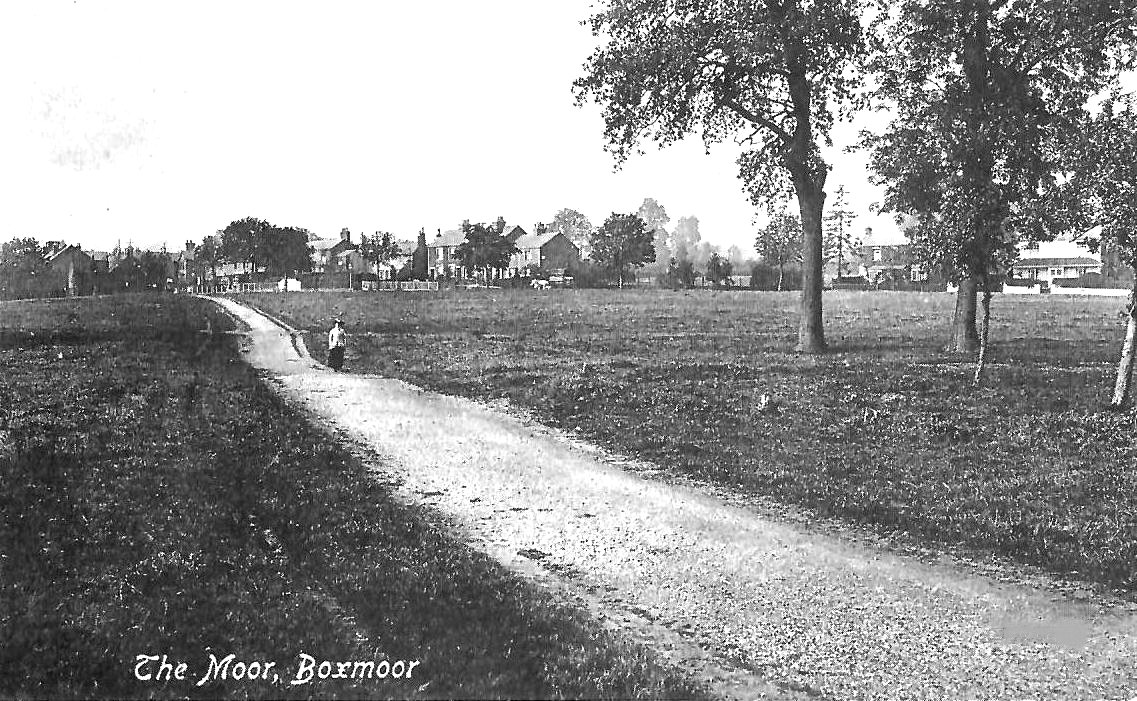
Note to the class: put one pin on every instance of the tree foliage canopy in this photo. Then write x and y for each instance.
(22, 268)
(280, 250)
(573, 225)
(1103, 163)
(24, 255)
(419, 263)
(1104, 183)
(485, 247)
(621, 243)
(985, 93)
(380, 249)
(768, 74)
(779, 242)
(653, 214)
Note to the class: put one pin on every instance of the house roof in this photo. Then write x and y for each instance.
(535, 240)
(454, 237)
(1076, 261)
(99, 255)
(65, 249)
(325, 244)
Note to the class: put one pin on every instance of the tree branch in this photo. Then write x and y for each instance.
(1059, 49)
(758, 119)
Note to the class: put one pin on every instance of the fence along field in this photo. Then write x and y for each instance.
(886, 431)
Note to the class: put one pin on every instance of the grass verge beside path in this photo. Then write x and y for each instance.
(158, 500)
(886, 430)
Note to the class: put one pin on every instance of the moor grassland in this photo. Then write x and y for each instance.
(158, 499)
(885, 431)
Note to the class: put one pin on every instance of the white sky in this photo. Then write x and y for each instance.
(160, 122)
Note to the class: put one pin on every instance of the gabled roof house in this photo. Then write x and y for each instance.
(548, 251)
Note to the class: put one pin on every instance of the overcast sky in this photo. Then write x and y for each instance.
(160, 122)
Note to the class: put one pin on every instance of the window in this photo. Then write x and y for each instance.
(1056, 272)
(877, 254)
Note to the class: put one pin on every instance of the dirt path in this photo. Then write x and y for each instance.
(756, 606)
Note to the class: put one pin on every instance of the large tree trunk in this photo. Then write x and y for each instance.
(1122, 388)
(811, 332)
(965, 336)
(977, 169)
(985, 336)
(808, 173)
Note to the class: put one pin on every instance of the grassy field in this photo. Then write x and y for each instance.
(885, 431)
(158, 500)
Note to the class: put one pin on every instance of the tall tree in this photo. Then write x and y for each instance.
(485, 248)
(983, 92)
(129, 274)
(655, 220)
(285, 251)
(653, 214)
(279, 250)
(1104, 167)
(154, 269)
(780, 242)
(767, 73)
(22, 269)
(381, 249)
(685, 238)
(209, 253)
(719, 270)
(575, 226)
(736, 257)
(701, 256)
(243, 240)
(839, 240)
(622, 242)
(419, 263)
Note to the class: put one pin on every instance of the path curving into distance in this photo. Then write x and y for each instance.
(759, 608)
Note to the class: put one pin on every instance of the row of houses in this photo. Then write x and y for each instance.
(1050, 263)
(336, 262)
(550, 251)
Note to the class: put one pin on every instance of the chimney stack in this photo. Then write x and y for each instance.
(345, 234)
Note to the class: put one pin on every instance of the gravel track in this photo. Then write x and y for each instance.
(759, 608)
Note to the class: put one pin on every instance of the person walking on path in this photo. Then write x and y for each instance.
(337, 342)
